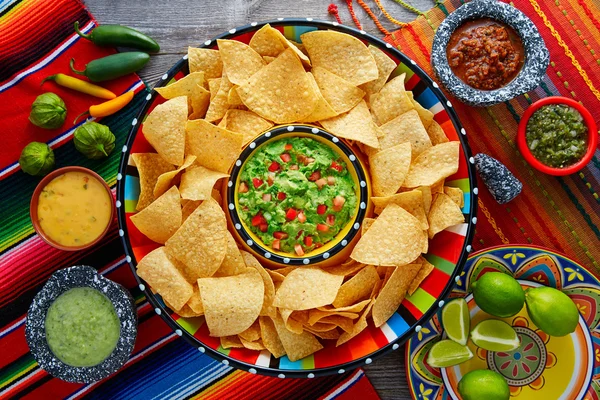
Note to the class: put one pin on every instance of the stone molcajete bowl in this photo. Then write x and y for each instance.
(35, 333)
(537, 56)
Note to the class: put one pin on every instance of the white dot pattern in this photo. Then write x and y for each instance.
(142, 287)
(306, 261)
(315, 130)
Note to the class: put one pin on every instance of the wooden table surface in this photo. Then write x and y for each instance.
(177, 24)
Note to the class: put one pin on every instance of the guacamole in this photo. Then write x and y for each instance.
(296, 194)
(557, 135)
(82, 327)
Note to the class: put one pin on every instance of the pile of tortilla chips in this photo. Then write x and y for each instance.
(232, 95)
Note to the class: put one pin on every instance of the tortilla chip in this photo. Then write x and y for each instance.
(357, 288)
(425, 115)
(359, 326)
(427, 197)
(281, 91)
(201, 241)
(252, 262)
(342, 54)
(333, 334)
(307, 287)
(367, 222)
(205, 60)
(456, 194)
(164, 129)
(394, 239)
(355, 125)
(167, 210)
(436, 163)
(436, 134)
(391, 101)
(183, 87)
(188, 207)
(185, 311)
(437, 187)
(269, 59)
(257, 345)
(296, 346)
(200, 100)
(214, 147)
(393, 293)
(411, 201)
(229, 342)
(444, 213)
(240, 61)
(316, 316)
(325, 324)
(195, 302)
(218, 103)
(197, 183)
(252, 334)
(426, 268)
(389, 168)
(385, 66)
(213, 87)
(323, 109)
(165, 181)
(247, 123)
(266, 42)
(291, 324)
(160, 272)
(345, 269)
(233, 263)
(233, 99)
(270, 338)
(286, 270)
(150, 166)
(405, 128)
(354, 308)
(276, 276)
(231, 303)
(341, 95)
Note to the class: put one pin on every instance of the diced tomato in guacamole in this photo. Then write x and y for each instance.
(309, 197)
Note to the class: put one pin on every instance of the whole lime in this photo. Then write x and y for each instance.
(483, 384)
(551, 310)
(498, 294)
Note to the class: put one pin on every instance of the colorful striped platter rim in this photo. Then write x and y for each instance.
(448, 251)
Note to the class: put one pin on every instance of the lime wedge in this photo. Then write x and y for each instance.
(495, 335)
(447, 353)
(456, 321)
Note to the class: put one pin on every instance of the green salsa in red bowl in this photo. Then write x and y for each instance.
(557, 136)
(297, 196)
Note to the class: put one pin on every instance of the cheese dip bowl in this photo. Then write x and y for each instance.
(72, 208)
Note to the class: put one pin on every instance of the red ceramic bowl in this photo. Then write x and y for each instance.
(592, 136)
(33, 207)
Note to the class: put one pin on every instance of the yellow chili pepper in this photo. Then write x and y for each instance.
(81, 86)
(108, 107)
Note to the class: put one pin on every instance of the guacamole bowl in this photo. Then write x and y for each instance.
(274, 204)
(446, 252)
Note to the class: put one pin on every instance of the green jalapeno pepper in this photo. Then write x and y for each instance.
(113, 66)
(118, 35)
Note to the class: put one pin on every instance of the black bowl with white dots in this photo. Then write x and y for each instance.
(315, 257)
(330, 360)
(35, 332)
(537, 56)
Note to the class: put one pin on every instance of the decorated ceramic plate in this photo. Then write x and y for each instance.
(543, 367)
(447, 251)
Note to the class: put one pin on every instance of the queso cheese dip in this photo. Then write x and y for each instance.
(74, 209)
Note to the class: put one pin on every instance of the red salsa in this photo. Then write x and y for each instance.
(485, 54)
